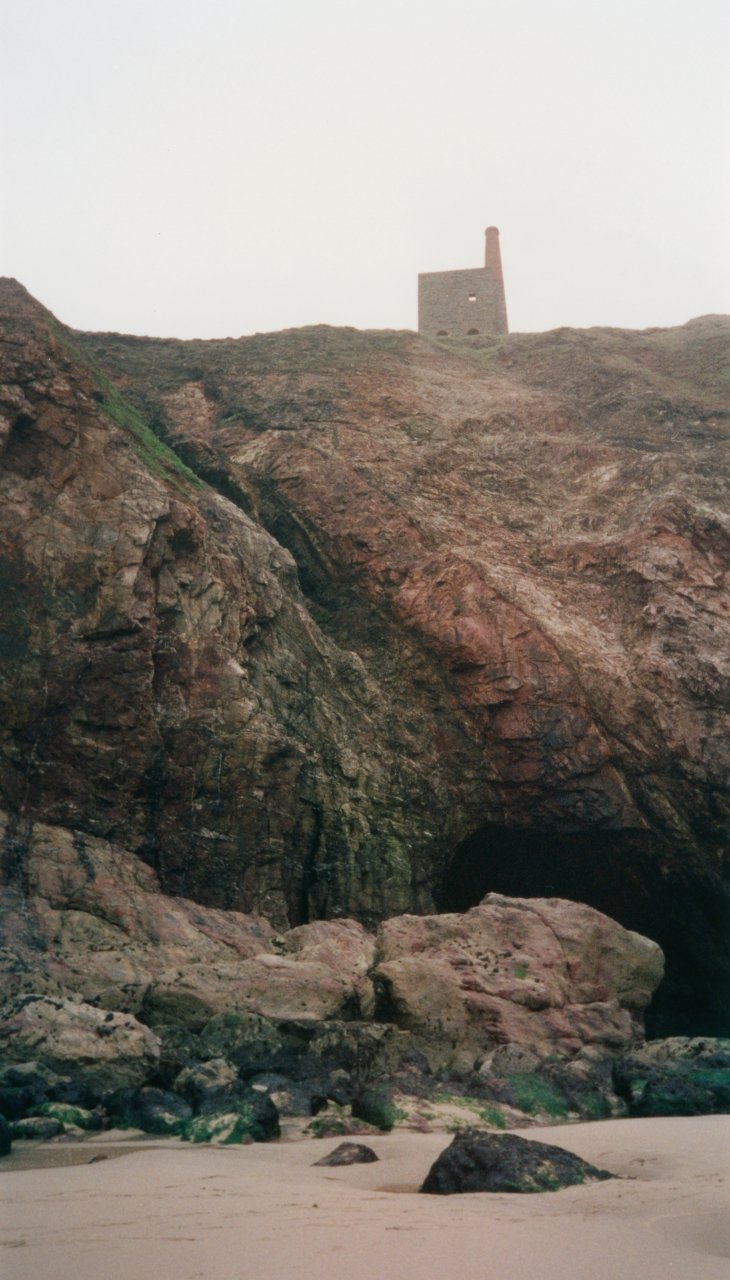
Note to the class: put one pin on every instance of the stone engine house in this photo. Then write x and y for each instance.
(454, 304)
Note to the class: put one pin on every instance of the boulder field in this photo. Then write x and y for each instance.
(128, 1005)
(315, 630)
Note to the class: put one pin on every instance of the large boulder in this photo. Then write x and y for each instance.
(342, 945)
(547, 974)
(542, 976)
(159, 1111)
(253, 1118)
(93, 921)
(36, 1128)
(25, 1086)
(277, 987)
(479, 1161)
(100, 1049)
(210, 1087)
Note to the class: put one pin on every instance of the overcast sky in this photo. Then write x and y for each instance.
(204, 168)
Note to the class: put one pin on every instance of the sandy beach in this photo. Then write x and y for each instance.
(264, 1213)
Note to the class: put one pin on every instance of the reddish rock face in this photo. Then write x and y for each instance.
(550, 975)
(545, 973)
(163, 682)
(508, 667)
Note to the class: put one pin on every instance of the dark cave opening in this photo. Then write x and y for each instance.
(631, 876)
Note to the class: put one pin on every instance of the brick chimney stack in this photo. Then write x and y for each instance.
(493, 263)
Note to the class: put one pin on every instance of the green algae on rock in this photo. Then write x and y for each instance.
(248, 1122)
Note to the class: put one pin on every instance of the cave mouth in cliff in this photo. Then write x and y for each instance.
(631, 876)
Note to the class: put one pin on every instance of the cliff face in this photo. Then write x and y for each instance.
(163, 681)
(441, 620)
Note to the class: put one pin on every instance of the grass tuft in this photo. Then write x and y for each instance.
(161, 460)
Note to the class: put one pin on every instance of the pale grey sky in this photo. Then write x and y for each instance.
(203, 168)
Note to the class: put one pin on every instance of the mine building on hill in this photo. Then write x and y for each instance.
(456, 304)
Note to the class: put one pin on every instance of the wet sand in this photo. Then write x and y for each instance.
(175, 1212)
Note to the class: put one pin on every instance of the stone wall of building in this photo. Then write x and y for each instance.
(456, 303)
(460, 303)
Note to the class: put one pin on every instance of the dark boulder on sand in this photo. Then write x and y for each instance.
(478, 1161)
(348, 1153)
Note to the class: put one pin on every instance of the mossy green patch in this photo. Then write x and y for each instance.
(230, 1020)
(376, 1108)
(717, 1079)
(228, 1129)
(595, 1107)
(161, 460)
(533, 1093)
(158, 456)
(67, 1114)
(493, 1117)
(487, 1113)
(329, 1126)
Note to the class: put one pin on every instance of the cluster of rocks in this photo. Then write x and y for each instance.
(548, 973)
(679, 1076)
(56, 1094)
(479, 1161)
(92, 1070)
(132, 1008)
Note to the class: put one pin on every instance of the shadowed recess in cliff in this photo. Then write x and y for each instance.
(627, 875)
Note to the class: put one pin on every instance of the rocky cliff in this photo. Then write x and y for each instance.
(330, 623)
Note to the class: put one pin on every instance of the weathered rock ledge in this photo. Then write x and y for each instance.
(549, 975)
